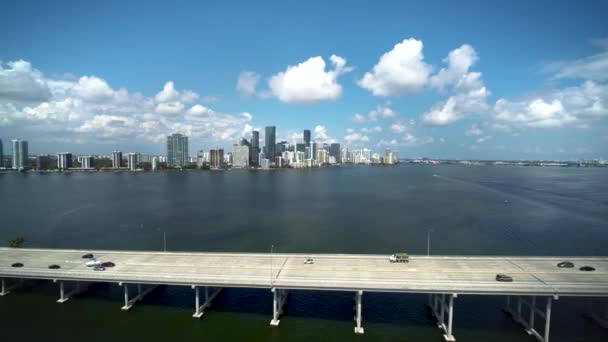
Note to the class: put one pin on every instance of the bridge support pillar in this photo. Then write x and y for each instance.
(278, 300)
(140, 295)
(358, 308)
(599, 318)
(199, 309)
(439, 308)
(64, 297)
(4, 290)
(529, 325)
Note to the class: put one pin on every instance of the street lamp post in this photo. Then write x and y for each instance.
(428, 241)
(164, 240)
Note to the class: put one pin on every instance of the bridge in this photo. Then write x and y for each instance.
(536, 280)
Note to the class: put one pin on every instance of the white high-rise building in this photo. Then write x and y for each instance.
(322, 156)
(177, 150)
(154, 163)
(86, 162)
(116, 159)
(240, 156)
(132, 161)
(20, 153)
(64, 160)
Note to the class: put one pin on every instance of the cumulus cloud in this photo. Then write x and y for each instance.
(380, 112)
(375, 129)
(21, 83)
(87, 110)
(355, 137)
(309, 82)
(459, 62)
(321, 135)
(401, 70)
(407, 140)
(247, 83)
(593, 68)
(473, 131)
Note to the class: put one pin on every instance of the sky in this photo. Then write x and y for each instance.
(437, 79)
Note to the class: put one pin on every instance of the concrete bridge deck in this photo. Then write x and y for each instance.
(436, 275)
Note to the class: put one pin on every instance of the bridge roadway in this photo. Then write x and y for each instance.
(435, 275)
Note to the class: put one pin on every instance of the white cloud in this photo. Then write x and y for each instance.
(399, 128)
(308, 82)
(483, 139)
(408, 140)
(247, 83)
(442, 114)
(321, 135)
(355, 137)
(572, 106)
(375, 129)
(401, 70)
(89, 111)
(170, 94)
(21, 83)
(459, 61)
(380, 112)
(473, 131)
(590, 68)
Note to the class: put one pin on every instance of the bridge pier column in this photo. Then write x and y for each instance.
(358, 309)
(439, 308)
(534, 311)
(278, 300)
(600, 318)
(140, 295)
(63, 297)
(199, 309)
(4, 291)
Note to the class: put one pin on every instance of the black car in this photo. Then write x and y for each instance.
(88, 256)
(565, 264)
(108, 264)
(504, 278)
(54, 267)
(587, 268)
(17, 264)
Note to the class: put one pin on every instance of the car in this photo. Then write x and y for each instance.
(587, 268)
(17, 264)
(93, 262)
(88, 256)
(309, 261)
(504, 278)
(108, 264)
(565, 264)
(99, 268)
(54, 267)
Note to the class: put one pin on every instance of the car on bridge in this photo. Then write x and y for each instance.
(399, 257)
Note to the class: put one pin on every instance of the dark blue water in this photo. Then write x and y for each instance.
(472, 210)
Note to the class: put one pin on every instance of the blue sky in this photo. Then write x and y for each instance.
(513, 80)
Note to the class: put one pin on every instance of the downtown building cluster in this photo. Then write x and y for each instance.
(246, 154)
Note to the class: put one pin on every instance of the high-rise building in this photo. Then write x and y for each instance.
(132, 161)
(306, 137)
(334, 151)
(177, 150)
(278, 161)
(154, 163)
(255, 148)
(42, 162)
(313, 150)
(265, 163)
(216, 158)
(281, 147)
(300, 147)
(270, 140)
(20, 154)
(1, 154)
(390, 157)
(86, 162)
(116, 159)
(322, 156)
(64, 160)
(240, 155)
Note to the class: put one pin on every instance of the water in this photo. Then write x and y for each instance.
(472, 210)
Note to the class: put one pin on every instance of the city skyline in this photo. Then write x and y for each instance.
(505, 92)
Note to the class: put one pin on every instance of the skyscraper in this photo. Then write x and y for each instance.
(1, 154)
(20, 153)
(216, 158)
(270, 140)
(313, 149)
(64, 160)
(177, 150)
(306, 137)
(240, 155)
(334, 151)
(42, 162)
(116, 159)
(254, 151)
(132, 161)
(86, 162)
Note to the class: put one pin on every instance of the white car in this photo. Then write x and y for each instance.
(93, 262)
